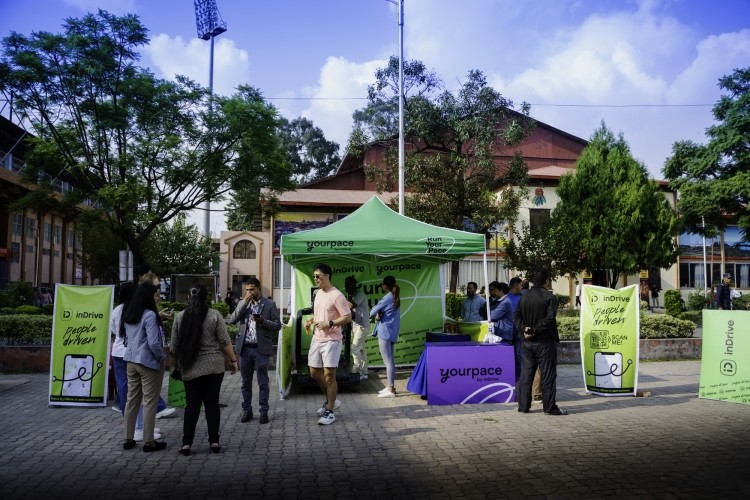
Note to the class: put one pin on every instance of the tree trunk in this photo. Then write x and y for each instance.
(454, 276)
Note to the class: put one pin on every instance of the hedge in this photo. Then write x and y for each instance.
(653, 326)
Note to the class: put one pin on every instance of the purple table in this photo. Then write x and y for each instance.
(465, 373)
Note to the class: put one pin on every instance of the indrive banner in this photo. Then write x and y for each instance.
(610, 326)
(725, 359)
(79, 362)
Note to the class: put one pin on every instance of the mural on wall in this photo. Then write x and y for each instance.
(734, 246)
(287, 223)
(539, 198)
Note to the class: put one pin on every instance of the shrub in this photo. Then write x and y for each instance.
(569, 328)
(48, 309)
(742, 302)
(568, 312)
(672, 302)
(697, 301)
(222, 307)
(19, 294)
(28, 309)
(7, 310)
(562, 300)
(453, 304)
(644, 305)
(694, 316)
(26, 329)
(233, 330)
(664, 326)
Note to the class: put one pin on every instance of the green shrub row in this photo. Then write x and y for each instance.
(653, 326)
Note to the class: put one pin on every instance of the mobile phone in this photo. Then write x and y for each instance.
(608, 369)
(78, 374)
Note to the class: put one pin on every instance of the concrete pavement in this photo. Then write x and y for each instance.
(668, 445)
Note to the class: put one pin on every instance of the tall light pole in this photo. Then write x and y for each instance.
(210, 25)
(400, 4)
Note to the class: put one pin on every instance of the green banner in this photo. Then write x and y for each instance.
(79, 361)
(725, 359)
(610, 327)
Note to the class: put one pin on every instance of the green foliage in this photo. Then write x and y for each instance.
(664, 326)
(742, 303)
(7, 310)
(22, 329)
(562, 300)
(698, 300)
(608, 203)
(568, 312)
(179, 248)
(569, 328)
(19, 293)
(233, 330)
(672, 302)
(222, 307)
(28, 309)
(142, 148)
(713, 179)
(449, 169)
(644, 305)
(48, 309)
(694, 316)
(453, 304)
(311, 155)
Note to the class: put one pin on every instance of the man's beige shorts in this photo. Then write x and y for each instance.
(324, 354)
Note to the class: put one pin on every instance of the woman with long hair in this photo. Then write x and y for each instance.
(145, 354)
(200, 343)
(388, 315)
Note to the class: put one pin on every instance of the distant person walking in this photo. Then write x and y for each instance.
(387, 312)
(724, 292)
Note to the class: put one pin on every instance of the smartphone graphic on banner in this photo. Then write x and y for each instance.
(608, 369)
(78, 375)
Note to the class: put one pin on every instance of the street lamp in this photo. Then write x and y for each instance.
(400, 4)
(210, 25)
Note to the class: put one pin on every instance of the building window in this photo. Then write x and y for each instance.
(70, 238)
(31, 225)
(538, 218)
(17, 224)
(57, 253)
(15, 252)
(69, 255)
(47, 231)
(57, 234)
(29, 248)
(46, 251)
(244, 249)
(277, 273)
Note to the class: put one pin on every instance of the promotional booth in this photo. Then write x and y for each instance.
(369, 244)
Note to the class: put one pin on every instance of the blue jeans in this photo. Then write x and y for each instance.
(251, 361)
(386, 351)
(121, 381)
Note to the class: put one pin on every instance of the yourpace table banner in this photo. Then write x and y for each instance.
(725, 359)
(79, 361)
(610, 328)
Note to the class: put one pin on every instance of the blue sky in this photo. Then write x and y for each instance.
(648, 68)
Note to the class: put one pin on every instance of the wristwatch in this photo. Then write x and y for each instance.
(330, 324)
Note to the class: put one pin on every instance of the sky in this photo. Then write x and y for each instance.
(648, 68)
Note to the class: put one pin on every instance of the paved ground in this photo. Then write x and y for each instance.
(668, 445)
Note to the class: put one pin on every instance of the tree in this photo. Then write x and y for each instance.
(619, 219)
(550, 246)
(451, 171)
(713, 180)
(138, 150)
(179, 248)
(312, 156)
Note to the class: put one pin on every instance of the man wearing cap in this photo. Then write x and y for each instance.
(724, 294)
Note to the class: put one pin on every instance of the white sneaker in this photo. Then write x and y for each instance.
(322, 409)
(139, 434)
(383, 390)
(327, 418)
(165, 412)
(386, 394)
(116, 408)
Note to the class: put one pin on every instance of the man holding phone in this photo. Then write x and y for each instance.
(259, 322)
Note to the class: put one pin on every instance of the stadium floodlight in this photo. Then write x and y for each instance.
(208, 19)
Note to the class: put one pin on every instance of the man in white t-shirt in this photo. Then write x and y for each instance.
(360, 324)
(330, 312)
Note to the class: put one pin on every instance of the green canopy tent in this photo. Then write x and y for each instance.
(369, 244)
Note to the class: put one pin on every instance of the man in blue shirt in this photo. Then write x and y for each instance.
(473, 304)
(501, 311)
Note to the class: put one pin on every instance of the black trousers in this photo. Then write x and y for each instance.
(543, 355)
(202, 390)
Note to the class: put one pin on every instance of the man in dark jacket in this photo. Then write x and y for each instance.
(724, 293)
(535, 319)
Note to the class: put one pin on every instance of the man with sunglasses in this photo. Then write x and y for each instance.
(330, 312)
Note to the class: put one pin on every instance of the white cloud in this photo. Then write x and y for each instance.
(172, 56)
(112, 6)
(339, 77)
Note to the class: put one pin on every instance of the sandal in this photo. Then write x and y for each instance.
(215, 447)
(185, 450)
